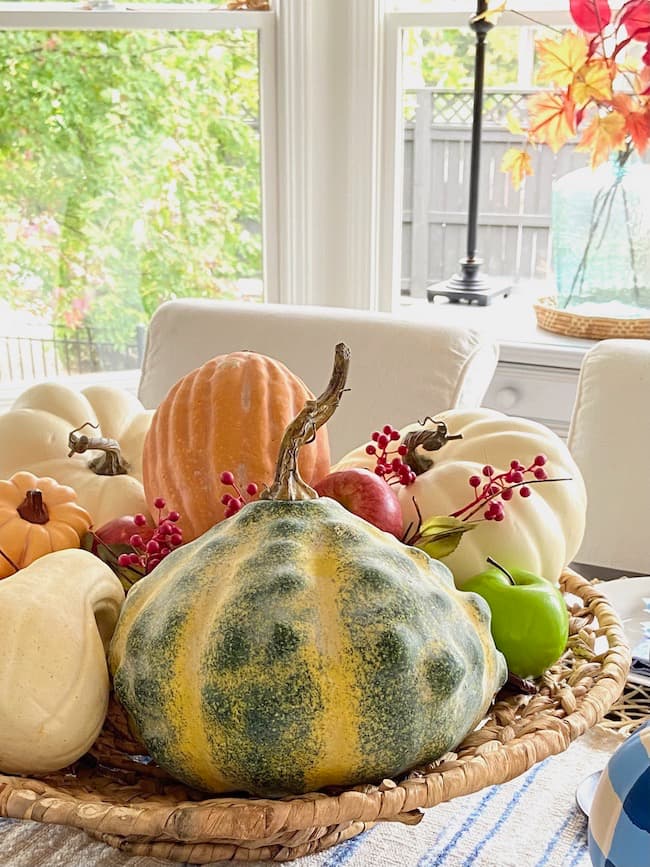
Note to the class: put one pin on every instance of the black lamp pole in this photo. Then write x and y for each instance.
(469, 284)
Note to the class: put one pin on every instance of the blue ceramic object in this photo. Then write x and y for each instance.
(619, 820)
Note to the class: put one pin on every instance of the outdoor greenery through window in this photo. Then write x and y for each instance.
(129, 175)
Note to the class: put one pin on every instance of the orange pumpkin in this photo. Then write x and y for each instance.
(37, 516)
(229, 414)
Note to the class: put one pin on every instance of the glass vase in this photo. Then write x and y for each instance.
(601, 238)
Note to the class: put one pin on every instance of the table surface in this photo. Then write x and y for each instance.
(531, 821)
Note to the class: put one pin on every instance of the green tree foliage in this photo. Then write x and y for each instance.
(129, 171)
(445, 56)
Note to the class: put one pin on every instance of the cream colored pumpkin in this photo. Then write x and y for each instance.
(540, 534)
(57, 617)
(34, 436)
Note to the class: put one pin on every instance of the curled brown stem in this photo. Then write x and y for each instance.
(110, 463)
(430, 439)
(288, 484)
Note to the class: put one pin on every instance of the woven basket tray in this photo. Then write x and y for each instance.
(550, 318)
(135, 807)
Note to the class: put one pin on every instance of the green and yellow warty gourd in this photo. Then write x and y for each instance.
(296, 646)
(34, 436)
(56, 620)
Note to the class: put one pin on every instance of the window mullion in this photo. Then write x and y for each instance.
(329, 56)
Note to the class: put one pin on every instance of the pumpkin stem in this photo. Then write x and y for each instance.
(429, 439)
(288, 485)
(111, 463)
(33, 509)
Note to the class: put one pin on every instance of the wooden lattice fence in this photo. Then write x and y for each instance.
(514, 227)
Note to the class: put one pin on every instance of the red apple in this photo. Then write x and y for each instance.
(118, 531)
(364, 494)
(112, 539)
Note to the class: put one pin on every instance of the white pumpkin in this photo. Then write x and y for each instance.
(539, 534)
(34, 436)
(57, 617)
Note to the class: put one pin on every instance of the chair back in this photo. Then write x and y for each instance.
(399, 371)
(609, 437)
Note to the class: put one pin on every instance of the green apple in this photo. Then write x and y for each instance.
(530, 621)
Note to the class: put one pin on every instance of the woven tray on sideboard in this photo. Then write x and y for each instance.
(137, 808)
(551, 318)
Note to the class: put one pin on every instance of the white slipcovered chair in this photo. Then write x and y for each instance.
(609, 437)
(399, 370)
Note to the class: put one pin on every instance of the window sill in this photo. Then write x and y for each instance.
(511, 321)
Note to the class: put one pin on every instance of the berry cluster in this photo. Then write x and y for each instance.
(498, 488)
(389, 463)
(166, 536)
(234, 503)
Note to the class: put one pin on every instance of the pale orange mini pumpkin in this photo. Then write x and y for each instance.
(37, 516)
(229, 414)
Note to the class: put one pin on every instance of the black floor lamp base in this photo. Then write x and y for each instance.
(469, 286)
(481, 297)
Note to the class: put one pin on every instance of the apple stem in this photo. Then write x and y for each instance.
(493, 562)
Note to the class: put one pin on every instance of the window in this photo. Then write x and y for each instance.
(433, 54)
(311, 151)
(134, 166)
(435, 59)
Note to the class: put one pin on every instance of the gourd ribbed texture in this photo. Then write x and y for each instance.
(228, 414)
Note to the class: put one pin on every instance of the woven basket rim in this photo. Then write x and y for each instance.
(586, 326)
(548, 304)
(240, 819)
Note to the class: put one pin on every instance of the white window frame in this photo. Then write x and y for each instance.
(340, 142)
(69, 16)
(553, 13)
(330, 126)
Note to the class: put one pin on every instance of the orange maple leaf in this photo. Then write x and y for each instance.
(517, 164)
(561, 59)
(623, 103)
(552, 119)
(603, 135)
(593, 81)
(637, 126)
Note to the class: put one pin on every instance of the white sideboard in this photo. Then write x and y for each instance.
(537, 374)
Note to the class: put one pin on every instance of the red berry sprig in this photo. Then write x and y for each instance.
(389, 462)
(499, 488)
(166, 537)
(234, 503)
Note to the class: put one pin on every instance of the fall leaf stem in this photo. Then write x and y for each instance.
(600, 216)
(593, 226)
(631, 245)
(536, 22)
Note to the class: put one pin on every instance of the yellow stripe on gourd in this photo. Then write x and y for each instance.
(330, 656)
